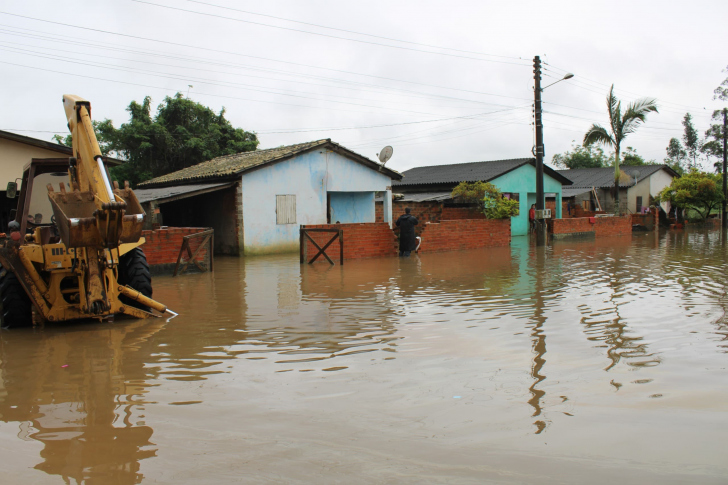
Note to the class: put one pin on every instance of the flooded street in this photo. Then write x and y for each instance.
(591, 362)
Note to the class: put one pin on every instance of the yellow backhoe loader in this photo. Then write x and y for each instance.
(72, 251)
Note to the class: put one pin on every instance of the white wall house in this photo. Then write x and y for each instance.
(638, 186)
(276, 191)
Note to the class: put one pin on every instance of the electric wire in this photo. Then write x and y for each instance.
(328, 35)
(353, 32)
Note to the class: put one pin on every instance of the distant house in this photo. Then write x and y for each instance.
(256, 201)
(637, 188)
(516, 178)
(16, 151)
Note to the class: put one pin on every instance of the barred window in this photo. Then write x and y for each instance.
(285, 209)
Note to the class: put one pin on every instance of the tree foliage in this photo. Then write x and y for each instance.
(488, 198)
(676, 156)
(699, 191)
(631, 158)
(691, 139)
(713, 145)
(581, 157)
(181, 134)
(621, 124)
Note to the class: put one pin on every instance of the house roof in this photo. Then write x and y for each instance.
(604, 177)
(168, 194)
(470, 172)
(229, 166)
(47, 145)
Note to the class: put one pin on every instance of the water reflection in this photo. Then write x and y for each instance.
(460, 347)
(81, 392)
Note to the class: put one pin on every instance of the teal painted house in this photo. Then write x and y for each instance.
(516, 178)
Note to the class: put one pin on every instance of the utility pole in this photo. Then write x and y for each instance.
(540, 223)
(725, 162)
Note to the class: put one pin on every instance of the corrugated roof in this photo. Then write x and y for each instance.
(426, 196)
(469, 172)
(604, 177)
(230, 165)
(146, 195)
(570, 192)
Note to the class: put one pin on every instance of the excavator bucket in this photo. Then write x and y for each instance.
(81, 224)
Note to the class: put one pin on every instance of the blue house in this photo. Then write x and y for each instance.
(515, 178)
(256, 201)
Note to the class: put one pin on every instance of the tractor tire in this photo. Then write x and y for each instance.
(15, 307)
(134, 272)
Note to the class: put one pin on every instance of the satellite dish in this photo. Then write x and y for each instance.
(385, 154)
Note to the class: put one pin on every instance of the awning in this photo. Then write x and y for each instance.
(573, 192)
(425, 197)
(169, 194)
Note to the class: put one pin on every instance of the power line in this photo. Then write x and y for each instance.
(328, 35)
(297, 81)
(220, 51)
(353, 32)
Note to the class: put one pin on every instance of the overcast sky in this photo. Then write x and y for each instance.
(453, 79)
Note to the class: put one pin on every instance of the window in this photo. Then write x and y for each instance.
(639, 204)
(285, 209)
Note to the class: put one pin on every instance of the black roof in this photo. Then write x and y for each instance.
(470, 172)
(604, 177)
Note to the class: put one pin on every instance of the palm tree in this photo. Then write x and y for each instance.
(620, 126)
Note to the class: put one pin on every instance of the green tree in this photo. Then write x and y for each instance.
(713, 144)
(488, 198)
(581, 157)
(182, 133)
(103, 143)
(632, 158)
(620, 125)
(676, 156)
(698, 191)
(691, 139)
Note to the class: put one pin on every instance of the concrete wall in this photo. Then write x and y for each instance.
(523, 182)
(642, 189)
(309, 176)
(658, 181)
(14, 156)
(351, 207)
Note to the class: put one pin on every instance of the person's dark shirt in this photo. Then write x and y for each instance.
(406, 224)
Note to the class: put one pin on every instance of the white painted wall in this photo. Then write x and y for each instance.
(658, 181)
(642, 189)
(309, 177)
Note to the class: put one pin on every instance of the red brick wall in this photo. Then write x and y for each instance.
(372, 240)
(613, 226)
(456, 235)
(459, 213)
(162, 245)
(378, 212)
(570, 225)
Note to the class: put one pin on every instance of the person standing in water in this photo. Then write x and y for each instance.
(532, 217)
(407, 241)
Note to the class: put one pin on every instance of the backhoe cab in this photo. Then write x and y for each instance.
(73, 250)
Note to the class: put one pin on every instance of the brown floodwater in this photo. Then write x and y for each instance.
(591, 362)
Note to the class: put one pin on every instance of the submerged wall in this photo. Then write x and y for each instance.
(454, 235)
(162, 248)
(590, 227)
(374, 240)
